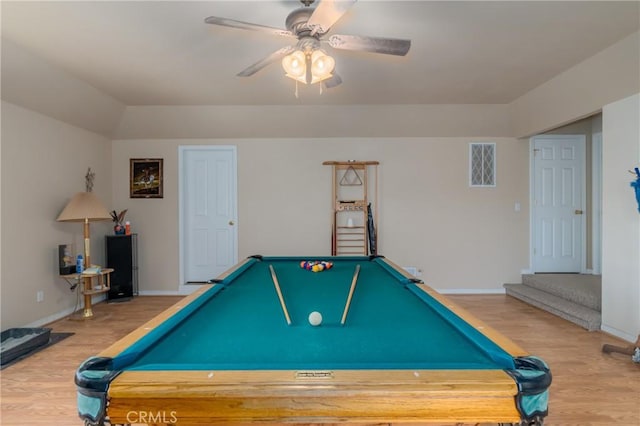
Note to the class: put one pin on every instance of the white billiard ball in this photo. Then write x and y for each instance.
(315, 318)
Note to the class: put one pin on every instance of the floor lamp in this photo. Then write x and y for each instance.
(85, 207)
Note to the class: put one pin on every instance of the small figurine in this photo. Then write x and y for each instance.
(88, 178)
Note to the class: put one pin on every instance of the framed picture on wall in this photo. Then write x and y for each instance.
(145, 178)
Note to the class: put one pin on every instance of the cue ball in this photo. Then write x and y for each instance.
(315, 318)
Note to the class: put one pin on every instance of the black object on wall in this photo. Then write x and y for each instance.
(66, 259)
(122, 256)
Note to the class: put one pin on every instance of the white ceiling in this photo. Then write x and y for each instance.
(162, 53)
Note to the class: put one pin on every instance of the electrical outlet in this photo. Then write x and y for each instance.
(411, 269)
(40, 296)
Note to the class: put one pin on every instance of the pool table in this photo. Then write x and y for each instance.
(227, 353)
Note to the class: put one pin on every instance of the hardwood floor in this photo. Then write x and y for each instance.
(589, 387)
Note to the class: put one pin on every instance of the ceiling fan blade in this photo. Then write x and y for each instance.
(225, 22)
(277, 55)
(332, 81)
(388, 46)
(327, 13)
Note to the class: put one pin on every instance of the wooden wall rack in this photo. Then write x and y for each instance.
(351, 194)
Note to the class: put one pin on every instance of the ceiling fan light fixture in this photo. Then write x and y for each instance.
(320, 64)
(294, 64)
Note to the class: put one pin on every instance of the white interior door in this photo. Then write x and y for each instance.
(558, 219)
(208, 200)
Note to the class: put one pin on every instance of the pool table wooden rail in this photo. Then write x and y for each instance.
(202, 397)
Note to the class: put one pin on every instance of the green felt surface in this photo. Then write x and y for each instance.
(388, 326)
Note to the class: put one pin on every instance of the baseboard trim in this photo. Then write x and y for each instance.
(471, 291)
(159, 293)
(51, 318)
(618, 333)
(65, 313)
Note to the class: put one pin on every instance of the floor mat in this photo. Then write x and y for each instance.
(53, 339)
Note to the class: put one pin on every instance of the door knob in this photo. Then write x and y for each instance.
(231, 222)
(578, 212)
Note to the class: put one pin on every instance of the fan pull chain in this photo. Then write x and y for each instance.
(296, 92)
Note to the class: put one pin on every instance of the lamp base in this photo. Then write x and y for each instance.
(81, 315)
(95, 318)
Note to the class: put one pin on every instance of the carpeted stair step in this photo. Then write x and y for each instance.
(578, 314)
(581, 289)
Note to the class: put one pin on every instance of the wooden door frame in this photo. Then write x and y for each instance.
(183, 287)
(583, 185)
(596, 203)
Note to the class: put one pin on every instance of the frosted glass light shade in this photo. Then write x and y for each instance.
(294, 64)
(321, 65)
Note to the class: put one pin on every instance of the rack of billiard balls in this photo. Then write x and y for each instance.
(316, 266)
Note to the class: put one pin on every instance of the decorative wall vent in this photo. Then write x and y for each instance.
(482, 164)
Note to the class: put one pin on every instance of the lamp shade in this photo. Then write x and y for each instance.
(84, 206)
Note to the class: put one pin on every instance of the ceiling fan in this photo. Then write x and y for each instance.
(305, 61)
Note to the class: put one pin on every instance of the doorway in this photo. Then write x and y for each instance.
(558, 221)
(208, 213)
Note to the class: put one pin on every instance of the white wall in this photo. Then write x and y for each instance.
(428, 216)
(620, 219)
(290, 121)
(580, 91)
(30, 81)
(54, 127)
(44, 162)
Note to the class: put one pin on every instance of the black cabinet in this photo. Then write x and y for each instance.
(122, 256)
